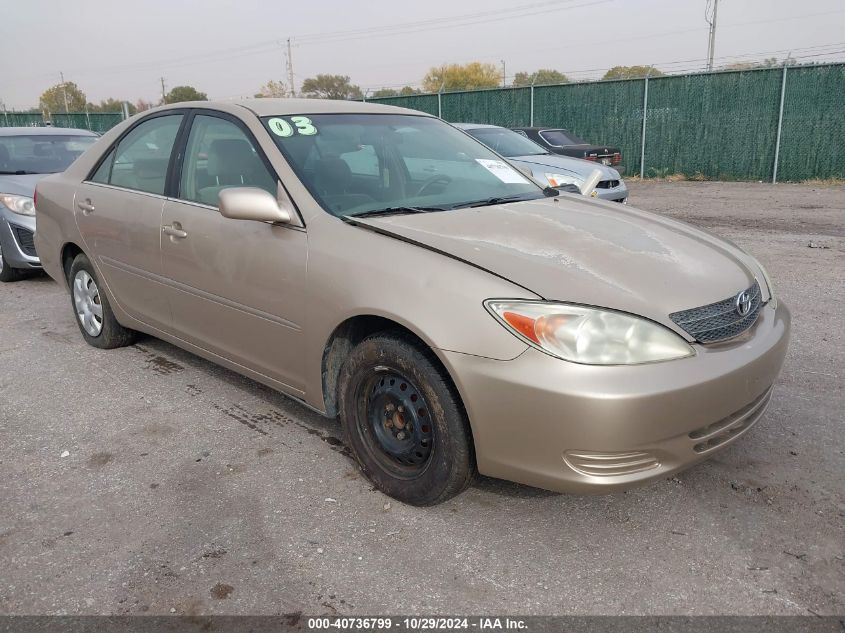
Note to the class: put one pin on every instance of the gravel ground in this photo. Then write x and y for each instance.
(146, 480)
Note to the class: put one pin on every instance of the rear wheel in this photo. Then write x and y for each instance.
(94, 315)
(7, 273)
(404, 421)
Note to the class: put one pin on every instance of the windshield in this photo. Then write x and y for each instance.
(360, 163)
(41, 153)
(561, 138)
(507, 142)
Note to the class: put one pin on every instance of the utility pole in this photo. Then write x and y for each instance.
(64, 90)
(289, 67)
(504, 76)
(711, 43)
(163, 92)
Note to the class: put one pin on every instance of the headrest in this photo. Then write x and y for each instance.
(332, 175)
(230, 156)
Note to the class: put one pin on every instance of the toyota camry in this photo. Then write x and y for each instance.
(387, 269)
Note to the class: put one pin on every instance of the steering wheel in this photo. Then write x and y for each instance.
(431, 181)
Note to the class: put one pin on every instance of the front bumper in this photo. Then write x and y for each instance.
(17, 234)
(616, 194)
(549, 423)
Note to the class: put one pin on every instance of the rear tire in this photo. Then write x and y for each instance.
(7, 273)
(404, 421)
(94, 315)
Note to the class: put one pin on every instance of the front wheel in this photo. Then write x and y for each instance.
(404, 422)
(94, 315)
(7, 273)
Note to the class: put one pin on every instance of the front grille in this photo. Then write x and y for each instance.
(716, 434)
(610, 464)
(607, 184)
(719, 321)
(26, 240)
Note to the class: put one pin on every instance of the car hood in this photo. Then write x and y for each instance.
(573, 165)
(20, 185)
(585, 251)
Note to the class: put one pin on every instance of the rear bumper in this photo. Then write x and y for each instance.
(17, 233)
(586, 429)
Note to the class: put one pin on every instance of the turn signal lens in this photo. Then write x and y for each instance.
(591, 336)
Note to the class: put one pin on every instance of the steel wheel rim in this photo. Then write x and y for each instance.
(395, 423)
(87, 302)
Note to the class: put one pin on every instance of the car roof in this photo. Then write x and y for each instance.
(283, 107)
(477, 126)
(44, 131)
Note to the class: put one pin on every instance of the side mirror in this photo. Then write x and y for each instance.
(252, 203)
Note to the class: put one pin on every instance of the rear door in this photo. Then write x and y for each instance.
(236, 287)
(118, 211)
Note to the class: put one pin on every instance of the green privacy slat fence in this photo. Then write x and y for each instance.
(813, 137)
(94, 121)
(721, 125)
(603, 112)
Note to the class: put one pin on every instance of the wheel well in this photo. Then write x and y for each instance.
(69, 253)
(344, 338)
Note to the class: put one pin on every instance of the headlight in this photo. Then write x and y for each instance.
(591, 336)
(22, 205)
(555, 180)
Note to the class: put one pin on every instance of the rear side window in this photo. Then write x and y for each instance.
(140, 160)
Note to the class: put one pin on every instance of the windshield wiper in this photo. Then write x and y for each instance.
(19, 172)
(395, 211)
(487, 202)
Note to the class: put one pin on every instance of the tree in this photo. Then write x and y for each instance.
(185, 93)
(632, 72)
(273, 89)
(542, 77)
(141, 105)
(330, 87)
(53, 99)
(472, 76)
(111, 105)
(408, 90)
(385, 92)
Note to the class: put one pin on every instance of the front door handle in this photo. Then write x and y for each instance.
(174, 231)
(86, 206)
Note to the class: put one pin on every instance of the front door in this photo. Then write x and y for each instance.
(119, 217)
(236, 287)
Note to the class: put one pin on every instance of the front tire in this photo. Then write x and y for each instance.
(94, 315)
(7, 273)
(404, 421)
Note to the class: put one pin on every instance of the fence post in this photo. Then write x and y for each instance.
(439, 101)
(5, 114)
(780, 124)
(531, 118)
(87, 117)
(642, 140)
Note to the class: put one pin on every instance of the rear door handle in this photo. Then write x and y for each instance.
(85, 206)
(174, 231)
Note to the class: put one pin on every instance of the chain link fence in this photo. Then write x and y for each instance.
(785, 123)
(95, 121)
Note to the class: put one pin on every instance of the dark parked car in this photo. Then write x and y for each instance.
(560, 141)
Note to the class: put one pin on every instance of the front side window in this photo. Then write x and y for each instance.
(142, 156)
(41, 153)
(220, 155)
(360, 163)
(507, 142)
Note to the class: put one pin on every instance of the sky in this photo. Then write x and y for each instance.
(229, 48)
